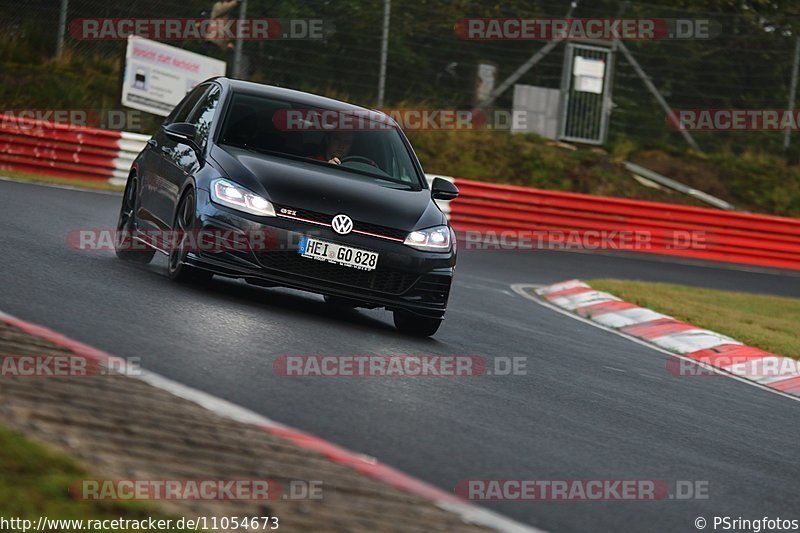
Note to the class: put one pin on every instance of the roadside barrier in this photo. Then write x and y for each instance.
(762, 240)
(69, 151)
(727, 236)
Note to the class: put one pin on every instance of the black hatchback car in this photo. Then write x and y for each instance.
(301, 191)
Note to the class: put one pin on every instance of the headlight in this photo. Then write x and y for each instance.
(432, 239)
(237, 197)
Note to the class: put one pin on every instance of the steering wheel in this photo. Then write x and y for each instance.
(358, 159)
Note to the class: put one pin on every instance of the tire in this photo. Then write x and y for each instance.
(177, 269)
(416, 325)
(126, 224)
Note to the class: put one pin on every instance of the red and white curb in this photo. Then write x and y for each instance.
(710, 350)
(363, 464)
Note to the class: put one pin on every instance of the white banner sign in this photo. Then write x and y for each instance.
(158, 76)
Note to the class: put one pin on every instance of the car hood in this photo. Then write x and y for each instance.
(302, 185)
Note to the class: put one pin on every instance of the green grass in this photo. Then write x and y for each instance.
(752, 181)
(767, 322)
(34, 482)
(100, 185)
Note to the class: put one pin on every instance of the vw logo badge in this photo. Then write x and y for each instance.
(342, 224)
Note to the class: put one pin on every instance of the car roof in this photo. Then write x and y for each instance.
(299, 97)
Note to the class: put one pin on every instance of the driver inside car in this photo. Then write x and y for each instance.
(337, 146)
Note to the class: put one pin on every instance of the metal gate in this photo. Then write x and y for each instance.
(586, 93)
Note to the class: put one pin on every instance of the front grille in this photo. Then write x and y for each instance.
(322, 218)
(380, 230)
(386, 281)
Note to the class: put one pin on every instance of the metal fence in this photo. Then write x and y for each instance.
(748, 65)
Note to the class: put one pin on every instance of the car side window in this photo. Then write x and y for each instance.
(203, 114)
(188, 105)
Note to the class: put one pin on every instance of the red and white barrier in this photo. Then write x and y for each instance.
(69, 151)
(743, 238)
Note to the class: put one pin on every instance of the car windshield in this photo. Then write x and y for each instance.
(363, 143)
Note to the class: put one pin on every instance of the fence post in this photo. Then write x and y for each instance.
(387, 9)
(62, 27)
(787, 133)
(238, 70)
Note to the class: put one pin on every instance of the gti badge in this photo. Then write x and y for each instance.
(342, 224)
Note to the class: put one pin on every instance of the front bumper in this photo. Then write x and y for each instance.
(404, 278)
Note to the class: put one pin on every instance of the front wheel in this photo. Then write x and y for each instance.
(184, 226)
(416, 325)
(123, 239)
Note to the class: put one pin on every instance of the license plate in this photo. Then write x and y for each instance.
(337, 254)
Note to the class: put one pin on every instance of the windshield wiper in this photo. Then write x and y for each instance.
(403, 184)
(268, 152)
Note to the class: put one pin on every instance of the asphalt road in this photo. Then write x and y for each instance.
(592, 405)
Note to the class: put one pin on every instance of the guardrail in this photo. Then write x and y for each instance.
(507, 210)
(64, 150)
(727, 236)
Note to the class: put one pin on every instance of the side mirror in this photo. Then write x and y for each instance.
(181, 132)
(441, 189)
